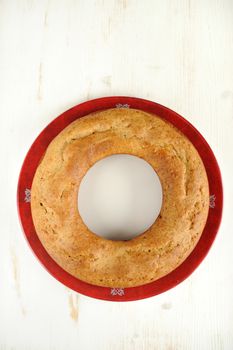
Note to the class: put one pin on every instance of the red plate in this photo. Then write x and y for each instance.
(194, 259)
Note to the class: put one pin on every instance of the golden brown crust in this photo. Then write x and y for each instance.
(171, 238)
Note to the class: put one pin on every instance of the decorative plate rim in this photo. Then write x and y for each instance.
(170, 280)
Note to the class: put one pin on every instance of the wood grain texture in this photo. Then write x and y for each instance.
(55, 54)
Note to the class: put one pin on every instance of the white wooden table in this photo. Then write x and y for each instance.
(57, 53)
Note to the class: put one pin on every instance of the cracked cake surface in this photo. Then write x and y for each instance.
(157, 251)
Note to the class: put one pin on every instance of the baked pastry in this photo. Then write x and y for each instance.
(149, 256)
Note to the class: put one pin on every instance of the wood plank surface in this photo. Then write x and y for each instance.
(57, 53)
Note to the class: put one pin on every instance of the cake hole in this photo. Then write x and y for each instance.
(120, 197)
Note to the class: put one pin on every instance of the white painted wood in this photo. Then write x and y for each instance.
(108, 197)
(57, 53)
